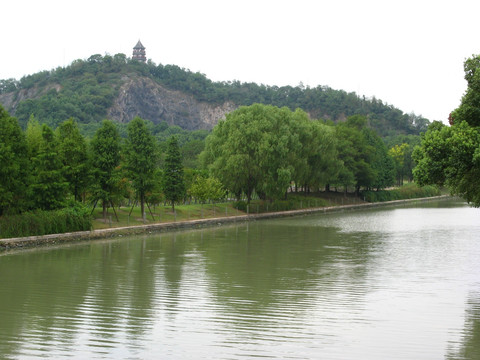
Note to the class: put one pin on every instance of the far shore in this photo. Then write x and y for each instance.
(31, 241)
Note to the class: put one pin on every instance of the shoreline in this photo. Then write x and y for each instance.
(55, 239)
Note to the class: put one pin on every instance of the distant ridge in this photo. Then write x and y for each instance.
(120, 88)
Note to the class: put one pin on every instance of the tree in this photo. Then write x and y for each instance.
(382, 163)
(33, 134)
(105, 147)
(14, 165)
(319, 149)
(469, 109)
(173, 181)
(141, 158)
(231, 151)
(355, 153)
(400, 154)
(451, 155)
(49, 187)
(206, 188)
(72, 151)
(255, 149)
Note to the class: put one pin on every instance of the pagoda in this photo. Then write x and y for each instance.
(139, 52)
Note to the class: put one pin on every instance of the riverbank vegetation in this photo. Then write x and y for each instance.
(450, 155)
(263, 158)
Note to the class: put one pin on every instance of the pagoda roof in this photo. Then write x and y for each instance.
(139, 45)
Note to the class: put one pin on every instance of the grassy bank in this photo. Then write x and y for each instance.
(164, 214)
(78, 218)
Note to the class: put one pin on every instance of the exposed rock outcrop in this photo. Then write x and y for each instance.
(11, 100)
(147, 99)
(143, 97)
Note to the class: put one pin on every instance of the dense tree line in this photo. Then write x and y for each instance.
(450, 155)
(86, 89)
(45, 169)
(257, 150)
(266, 150)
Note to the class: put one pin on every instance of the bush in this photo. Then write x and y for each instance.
(409, 191)
(75, 217)
(293, 203)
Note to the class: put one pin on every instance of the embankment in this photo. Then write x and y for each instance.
(30, 241)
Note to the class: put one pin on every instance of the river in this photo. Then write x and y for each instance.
(386, 283)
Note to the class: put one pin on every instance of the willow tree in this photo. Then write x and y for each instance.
(254, 149)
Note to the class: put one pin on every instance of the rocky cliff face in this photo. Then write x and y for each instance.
(11, 100)
(147, 99)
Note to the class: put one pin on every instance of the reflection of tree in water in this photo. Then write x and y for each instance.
(49, 296)
(469, 349)
(263, 270)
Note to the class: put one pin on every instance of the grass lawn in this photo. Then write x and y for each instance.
(163, 214)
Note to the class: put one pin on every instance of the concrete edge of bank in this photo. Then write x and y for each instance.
(30, 241)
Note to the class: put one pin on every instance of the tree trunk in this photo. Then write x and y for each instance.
(142, 204)
(104, 210)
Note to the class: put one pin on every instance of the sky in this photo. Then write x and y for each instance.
(407, 53)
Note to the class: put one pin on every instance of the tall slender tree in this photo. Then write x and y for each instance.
(14, 164)
(141, 158)
(105, 147)
(73, 154)
(173, 180)
(49, 188)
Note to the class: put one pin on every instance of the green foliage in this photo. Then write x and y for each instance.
(141, 158)
(49, 188)
(254, 149)
(292, 202)
(86, 89)
(409, 191)
(451, 155)
(14, 165)
(206, 188)
(73, 154)
(382, 163)
(173, 180)
(469, 109)
(105, 148)
(356, 153)
(75, 217)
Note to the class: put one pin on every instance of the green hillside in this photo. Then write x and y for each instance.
(87, 89)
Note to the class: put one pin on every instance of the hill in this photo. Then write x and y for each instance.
(120, 88)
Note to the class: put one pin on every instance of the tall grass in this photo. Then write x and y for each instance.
(76, 217)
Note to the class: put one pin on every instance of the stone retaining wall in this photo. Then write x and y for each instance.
(30, 241)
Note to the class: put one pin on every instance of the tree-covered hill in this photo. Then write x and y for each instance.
(119, 88)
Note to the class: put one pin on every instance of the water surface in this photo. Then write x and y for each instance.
(392, 283)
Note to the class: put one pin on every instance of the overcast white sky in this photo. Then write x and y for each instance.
(408, 53)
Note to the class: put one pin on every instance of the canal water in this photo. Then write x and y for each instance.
(390, 283)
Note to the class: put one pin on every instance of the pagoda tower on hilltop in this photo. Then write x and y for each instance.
(139, 52)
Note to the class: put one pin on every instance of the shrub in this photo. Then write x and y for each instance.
(409, 191)
(293, 203)
(75, 217)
